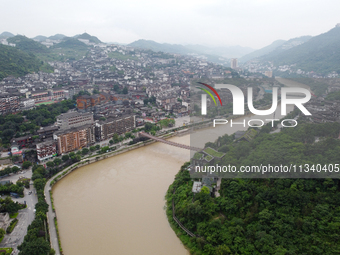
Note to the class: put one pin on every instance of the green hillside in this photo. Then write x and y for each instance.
(183, 50)
(39, 38)
(264, 216)
(57, 37)
(164, 47)
(86, 36)
(6, 35)
(262, 51)
(283, 48)
(68, 49)
(28, 45)
(320, 54)
(17, 63)
(71, 43)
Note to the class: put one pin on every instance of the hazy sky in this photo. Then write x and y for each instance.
(252, 23)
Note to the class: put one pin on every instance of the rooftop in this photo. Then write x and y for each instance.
(73, 114)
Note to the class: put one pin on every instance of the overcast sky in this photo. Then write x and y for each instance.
(251, 23)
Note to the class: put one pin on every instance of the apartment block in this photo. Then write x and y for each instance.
(74, 119)
(114, 125)
(46, 150)
(74, 138)
(233, 63)
(27, 104)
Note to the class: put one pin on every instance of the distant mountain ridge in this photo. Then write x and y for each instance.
(262, 51)
(5, 35)
(26, 44)
(57, 37)
(86, 36)
(275, 48)
(283, 48)
(223, 51)
(39, 38)
(71, 43)
(165, 47)
(42, 38)
(320, 53)
(226, 52)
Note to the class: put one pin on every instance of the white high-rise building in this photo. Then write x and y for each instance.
(233, 63)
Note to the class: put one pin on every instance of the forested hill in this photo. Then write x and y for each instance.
(28, 45)
(320, 54)
(262, 51)
(16, 62)
(86, 36)
(70, 43)
(265, 216)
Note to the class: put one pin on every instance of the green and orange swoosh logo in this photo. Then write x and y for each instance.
(213, 90)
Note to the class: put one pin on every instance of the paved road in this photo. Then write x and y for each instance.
(260, 94)
(50, 218)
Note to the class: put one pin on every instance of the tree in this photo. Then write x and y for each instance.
(104, 149)
(50, 164)
(65, 158)
(15, 158)
(125, 90)
(85, 151)
(97, 147)
(115, 138)
(15, 169)
(148, 126)
(26, 164)
(92, 148)
(36, 246)
(205, 190)
(39, 184)
(57, 161)
(111, 141)
(2, 233)
(75, 158)
(116, 87)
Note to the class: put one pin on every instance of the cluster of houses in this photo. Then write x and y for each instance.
(109, 69)
(74, 131)
(323, 110)
(267, 68)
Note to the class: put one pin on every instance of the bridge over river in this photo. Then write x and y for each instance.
(169, 142)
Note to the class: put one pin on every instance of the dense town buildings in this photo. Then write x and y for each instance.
(113, 93)
(141, 73)
(9, 105)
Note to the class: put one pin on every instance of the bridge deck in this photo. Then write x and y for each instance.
(169, 142)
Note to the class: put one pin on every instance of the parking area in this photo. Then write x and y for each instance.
(25, 216)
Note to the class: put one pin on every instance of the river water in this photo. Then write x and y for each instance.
(116, 206)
